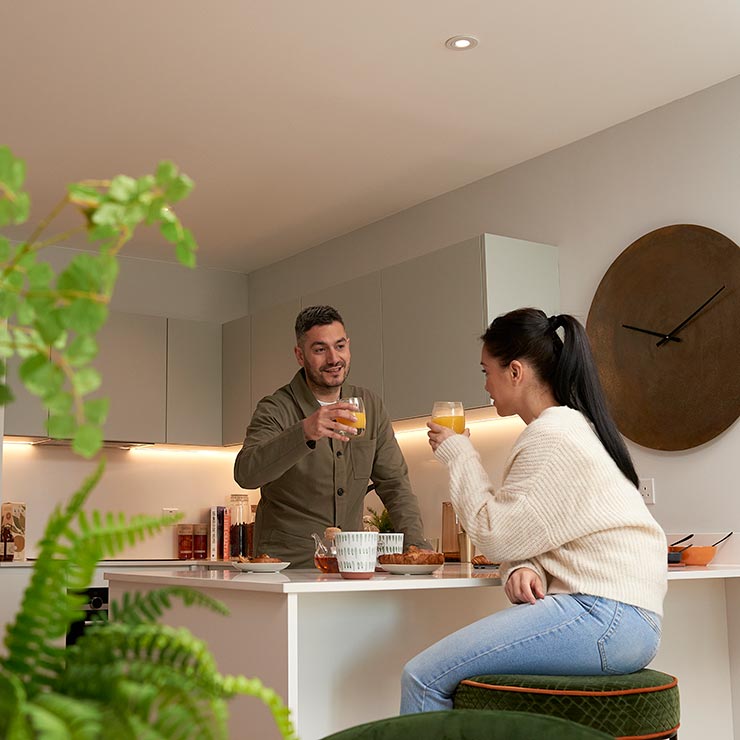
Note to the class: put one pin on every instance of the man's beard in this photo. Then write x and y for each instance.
(318, 380)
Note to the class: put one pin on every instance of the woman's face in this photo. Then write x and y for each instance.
(498, 383)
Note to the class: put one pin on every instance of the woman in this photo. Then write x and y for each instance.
(581, 558)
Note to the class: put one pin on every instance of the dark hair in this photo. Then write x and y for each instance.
(315, 316)
(567, 366)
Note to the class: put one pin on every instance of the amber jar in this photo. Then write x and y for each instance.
(7, 544)
(200, 541)
(185, 541)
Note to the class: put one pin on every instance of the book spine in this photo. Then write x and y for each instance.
(213, 534)
(227, 534)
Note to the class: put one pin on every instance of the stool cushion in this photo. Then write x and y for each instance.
(641, 704)
(470, 725)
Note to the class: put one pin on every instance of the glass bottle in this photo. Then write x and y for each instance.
(7, 543)
(240, 514)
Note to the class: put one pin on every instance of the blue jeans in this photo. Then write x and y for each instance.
(562, 634)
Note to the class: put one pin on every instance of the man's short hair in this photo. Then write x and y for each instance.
(315, 316)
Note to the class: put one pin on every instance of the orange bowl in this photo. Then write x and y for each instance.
(698, 555)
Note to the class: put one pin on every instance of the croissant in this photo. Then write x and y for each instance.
(413, 556)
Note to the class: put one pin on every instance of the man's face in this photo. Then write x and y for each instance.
(324, 354)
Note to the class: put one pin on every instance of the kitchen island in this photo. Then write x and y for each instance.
(334, 649)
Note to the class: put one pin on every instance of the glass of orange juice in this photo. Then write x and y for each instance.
(359, 412)
(449, 414)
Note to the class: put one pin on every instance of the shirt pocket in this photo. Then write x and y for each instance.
(361, 455)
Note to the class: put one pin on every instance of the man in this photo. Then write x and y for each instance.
(312, 476)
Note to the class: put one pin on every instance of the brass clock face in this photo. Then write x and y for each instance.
(665, 330)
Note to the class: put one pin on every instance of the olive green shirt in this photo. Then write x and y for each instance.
(309, 486)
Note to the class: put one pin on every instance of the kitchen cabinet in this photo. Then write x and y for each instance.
(358, 301)
(25, 416)
(235, 379)
(272, 360)
(193, 382)
(435, 307)
(133, 363)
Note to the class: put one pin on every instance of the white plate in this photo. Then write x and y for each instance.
(260, 567)
(410, 570)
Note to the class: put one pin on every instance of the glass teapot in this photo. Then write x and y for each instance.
(325, 555)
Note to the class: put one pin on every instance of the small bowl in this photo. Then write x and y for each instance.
(699, 555)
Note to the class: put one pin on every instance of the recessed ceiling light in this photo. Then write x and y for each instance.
(461, 43)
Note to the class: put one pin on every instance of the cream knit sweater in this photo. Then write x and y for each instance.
(564, 509)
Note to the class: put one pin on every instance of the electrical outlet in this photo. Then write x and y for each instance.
(647, 490)
(169, 510)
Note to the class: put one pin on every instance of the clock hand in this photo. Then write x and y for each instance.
(653, 333)
(686, 321)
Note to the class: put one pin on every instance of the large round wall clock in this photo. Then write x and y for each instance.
(665, 329)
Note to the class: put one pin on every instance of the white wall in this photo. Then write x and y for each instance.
(592, 198)
(140, 482)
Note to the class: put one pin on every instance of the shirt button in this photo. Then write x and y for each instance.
(340, 491)
(339, 453)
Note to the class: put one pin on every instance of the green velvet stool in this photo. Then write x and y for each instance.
(470, 725)
(644, 704)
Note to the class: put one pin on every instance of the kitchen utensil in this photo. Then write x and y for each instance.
(722, 540)
(698, 555)
(683, 539)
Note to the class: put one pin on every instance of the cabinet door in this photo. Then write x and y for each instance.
(272, 358)
(133, 362)
(236, 381)
(193, 382)
(358, 301)
(433, 313)
(25, 416)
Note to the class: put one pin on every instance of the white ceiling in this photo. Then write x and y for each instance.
(301, 120)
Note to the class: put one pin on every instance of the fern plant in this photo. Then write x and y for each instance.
(131, 677)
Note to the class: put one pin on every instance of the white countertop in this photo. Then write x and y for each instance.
(451, 575)
(163, 563)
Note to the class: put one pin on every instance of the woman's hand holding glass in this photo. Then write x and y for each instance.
(448, 418)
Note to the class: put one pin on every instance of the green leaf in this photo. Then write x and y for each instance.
(6, 395)
(26, 313)
(86, 380)
(61, 425)
(88, 440)
(84, 194)
(22, 208)
(96, 410)
(41, 376)
(6, 164)
(6, 341)
(122, 188)
(178, 188)
(85, 316)
(48, 325)
(145, 184)
(185, 255)
(40, 275)
(172, 231)
(59, 403)
(8, 302)
(166, 172)
(109, 214)
(4, 249)
(101, 233)
(6, 212)
(81, 350)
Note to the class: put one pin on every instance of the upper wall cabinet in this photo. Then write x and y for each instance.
(193, 382)
(272, 360)
(133, 361)
(235, 379)
(25, 416)
(435, 308)
(358, 301)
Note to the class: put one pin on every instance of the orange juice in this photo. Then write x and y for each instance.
(456, 423)
(359, 425)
